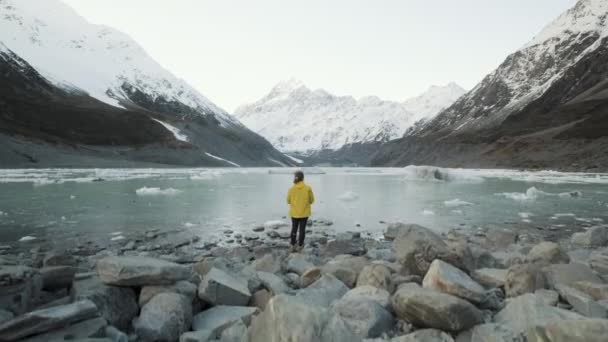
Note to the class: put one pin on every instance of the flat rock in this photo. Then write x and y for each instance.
(380, 296)
(221, 288)
(547, 297)
(432, 309)
(376, 275)
(490, 332)
(267, 263)
(599, 263)
(86, 329)
(41, 321)
(344, 246)
(528, 311)
(444, 277)
(140, 271)
(589, 330)
(298, 263)
(548, 253)
(234, 333)
(594, 237)
(490, 277)
(185, 288)
(595, 290)
(289, 318)
(581, 302)
(164, 318)
(346, 268)
(567, 274)
(118, 305)
(324, 291)
(416, 247)
(275, 284)
(218, 318)
(365, 317)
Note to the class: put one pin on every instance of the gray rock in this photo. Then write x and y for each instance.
(599, 263)
(368, 292)
(490, 332)
(298, 263)
(324, 291)
(346, 268)
(524, 278)
(310, 276)
(548, 253)
(197, 336)
(37, 322)
(267, 263)
(20, 287)
(235, 333)
(593, 237)
(547, 297)
(115, 335)
(341, 246)
(381, 254)
(444, 277)
(425, 335)
(260, 298)
(432, 309)
(393, 230)
(528, 311)
(590, 330)
(490, 277)
(57, 277)
(498, 238)
(273, 283)
(118, 305)
(291, 319)
(567, 274)
(57, 258)
(581, 302)
(140, 271)
(218, 318)
(416, 248)
(376, 275)
(595, 290)
(506, 259)
(90, 328)
(220, 288)
(365, 317)
(5, 316)
(164, 318)
(185, 288)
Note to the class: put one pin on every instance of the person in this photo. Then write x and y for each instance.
(299, 198)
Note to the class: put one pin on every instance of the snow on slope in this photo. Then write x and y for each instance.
(527, 73)
(72, 53)
(295, 118)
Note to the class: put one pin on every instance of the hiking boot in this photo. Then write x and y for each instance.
(293, 249)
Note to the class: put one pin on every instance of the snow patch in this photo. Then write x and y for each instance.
(222, 159)
(177, 133)
(299, 161)
(145, 191)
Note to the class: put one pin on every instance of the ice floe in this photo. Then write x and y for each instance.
(456, 203)
(27, 238)
(533, 193)
(348, 196)
(145, 191)
(427, 212)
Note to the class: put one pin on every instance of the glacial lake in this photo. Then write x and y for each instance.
(49, 204)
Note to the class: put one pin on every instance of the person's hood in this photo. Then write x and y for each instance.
(299, 185)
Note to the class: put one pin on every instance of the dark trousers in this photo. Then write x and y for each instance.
(298, 224)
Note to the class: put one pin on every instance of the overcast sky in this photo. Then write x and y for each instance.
(234, 52)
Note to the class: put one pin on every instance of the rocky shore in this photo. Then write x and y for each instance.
(411, 285)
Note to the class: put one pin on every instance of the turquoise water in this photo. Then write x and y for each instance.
(54, 204)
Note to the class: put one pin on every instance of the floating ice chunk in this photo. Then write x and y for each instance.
(571, 194)
(348, 196)
(27, 238)
(457, 211)
(530, 195)
(456, 203)
(526, 220)
(275, 224)
(189, 225)
(564, 215)
(116, 233)
(117, 238)
(525, 215)
(145, 191)
(2, 213)
(596, 219)
(63, 218)
(72, 197)
(427, 212)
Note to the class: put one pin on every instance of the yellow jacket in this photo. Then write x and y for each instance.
(299, 198)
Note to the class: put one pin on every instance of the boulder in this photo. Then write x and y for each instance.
(218, 318)
(267, 263)
(567, 274)
(490, 277)
(140, 271)
(524, 278)
(432, 309)
(185, 288)
(310, 276)
(197, 336)
(115, 335)
(118, 305)
(346, 268)
(57, 277)
(344, 246)
(599, 263)
(164, 318)
(529, 311)
(324, 291)
(235, 333)
(461, 254)
(20, 287)
(260, 298)
(368, 292)
(594, 237)
(381, 254)
(376, 275)
(365, 317)
(393, 230)
(289, 318)
(275, 284)
(298, 263)
(86, 329)
(40, 321)
(490, 332)
(595, 290)
(446, 278)
(548, 253)
(498, 238)
(589, 330)
(58, 258)
(416, 247)
(547, 297)
(220, 288)
(581, 302)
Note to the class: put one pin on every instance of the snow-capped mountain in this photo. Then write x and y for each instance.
(296, 118)
(545, 106)
(65, 79)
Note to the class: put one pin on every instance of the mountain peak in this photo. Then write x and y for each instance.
(434, 100)
(288, 86)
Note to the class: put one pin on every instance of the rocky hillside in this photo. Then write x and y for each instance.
(545, 106)
(295, 118)
(74, 93)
